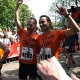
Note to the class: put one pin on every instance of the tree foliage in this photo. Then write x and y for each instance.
(25, 14)
(57, 19)
(7, 8)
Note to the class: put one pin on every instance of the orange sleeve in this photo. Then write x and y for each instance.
(20, 31)
(61, 34)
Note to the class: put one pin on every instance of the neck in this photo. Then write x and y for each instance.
(30, 32)
(47, 31)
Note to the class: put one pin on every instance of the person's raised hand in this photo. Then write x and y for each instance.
(19, 1)
(61, 10)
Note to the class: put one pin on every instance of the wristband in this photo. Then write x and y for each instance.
(67, 16)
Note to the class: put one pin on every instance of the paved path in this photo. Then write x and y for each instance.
(10, 71)
(76, 69)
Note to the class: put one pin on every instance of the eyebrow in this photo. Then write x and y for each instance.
(41, 21)
(29, 24)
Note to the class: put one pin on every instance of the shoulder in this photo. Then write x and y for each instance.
(21, 30)
(58, 32)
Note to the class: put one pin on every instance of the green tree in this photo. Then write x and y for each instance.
(58, 20)
(7, 8)
(25, 14)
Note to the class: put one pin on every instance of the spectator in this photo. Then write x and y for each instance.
(12, 39)
(9, 32)
(6, 40)
(68, 48)
(4, 56)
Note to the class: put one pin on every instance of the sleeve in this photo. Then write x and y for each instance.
(61, 34)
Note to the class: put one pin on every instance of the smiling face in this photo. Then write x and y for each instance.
(44, 23)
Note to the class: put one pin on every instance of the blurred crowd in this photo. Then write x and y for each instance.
(8, 37)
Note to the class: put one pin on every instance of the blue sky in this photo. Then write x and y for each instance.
(38, 7)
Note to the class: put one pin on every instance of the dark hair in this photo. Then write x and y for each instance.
(35, 21)
(48, 19)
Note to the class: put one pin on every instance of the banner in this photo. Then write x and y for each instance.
(14, 50)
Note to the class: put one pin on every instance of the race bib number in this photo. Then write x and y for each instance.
(27, 55)
(44, 54)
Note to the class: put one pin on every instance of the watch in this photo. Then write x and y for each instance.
(67, 15)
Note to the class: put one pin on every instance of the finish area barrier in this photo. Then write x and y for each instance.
(14, 50)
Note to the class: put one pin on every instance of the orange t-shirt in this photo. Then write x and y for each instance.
(52, 41)
(26, 41)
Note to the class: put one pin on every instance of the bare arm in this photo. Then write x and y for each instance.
(6, 51)
(16, 16)
(74, 27)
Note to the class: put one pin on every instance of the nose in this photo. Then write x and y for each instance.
(28, 26)
(40, 24)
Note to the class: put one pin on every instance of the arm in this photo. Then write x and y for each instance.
(48, 71)
(6, 51)
(74, 27)
(16, 17)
